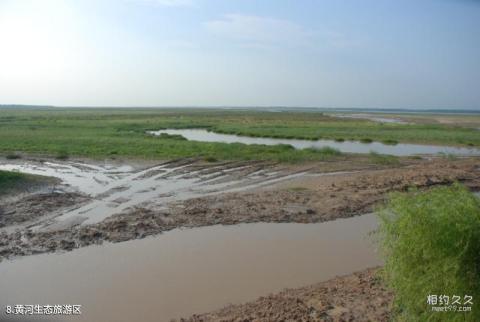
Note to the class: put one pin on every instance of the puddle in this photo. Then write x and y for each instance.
(183, 272)
(347, 146)
(116, 189)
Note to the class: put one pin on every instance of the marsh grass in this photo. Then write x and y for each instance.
(383, 159)
(96, 133)
(172, 137)
(9, 178)
(431, 244)
(366, 140)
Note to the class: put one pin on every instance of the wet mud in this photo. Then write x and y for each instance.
(361, 296)
(186, 193)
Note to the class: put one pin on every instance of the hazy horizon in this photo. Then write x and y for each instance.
(374, 54)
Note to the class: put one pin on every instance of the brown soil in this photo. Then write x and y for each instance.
(309, 199)
(361, 296)
(317, 199)
(30, 207)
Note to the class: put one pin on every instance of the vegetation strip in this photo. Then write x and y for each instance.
(115, 133)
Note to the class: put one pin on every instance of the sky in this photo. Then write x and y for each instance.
(309, 53)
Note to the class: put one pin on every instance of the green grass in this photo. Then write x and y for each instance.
(431, 242)
(15, 181)
(100, 133)
(12, 181)
(383, 159)
(9, 179)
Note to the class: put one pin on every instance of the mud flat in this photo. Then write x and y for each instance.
(145, 202)
(183, 272)
(186, 271)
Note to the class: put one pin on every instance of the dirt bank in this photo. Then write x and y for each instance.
(358, 297)
(304, 198)
(315, 199)
(28, 208)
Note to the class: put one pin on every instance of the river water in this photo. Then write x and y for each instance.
(188, 271)
(401, 149)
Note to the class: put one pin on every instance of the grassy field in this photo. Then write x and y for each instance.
(102, 133)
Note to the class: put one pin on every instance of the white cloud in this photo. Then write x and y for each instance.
(259, 31)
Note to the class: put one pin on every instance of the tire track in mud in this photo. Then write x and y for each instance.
(116, 190)
(227, 194)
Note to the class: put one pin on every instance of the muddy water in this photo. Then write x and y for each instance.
(347, 146)
(189, 271)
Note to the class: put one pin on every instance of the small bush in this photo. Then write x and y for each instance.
(431, 243)
(366, 140)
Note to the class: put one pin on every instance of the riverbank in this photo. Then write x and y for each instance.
(361, 296)
(133, 205)
(186, 271)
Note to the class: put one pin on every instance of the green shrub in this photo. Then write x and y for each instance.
(431, 243)
(366, 140)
